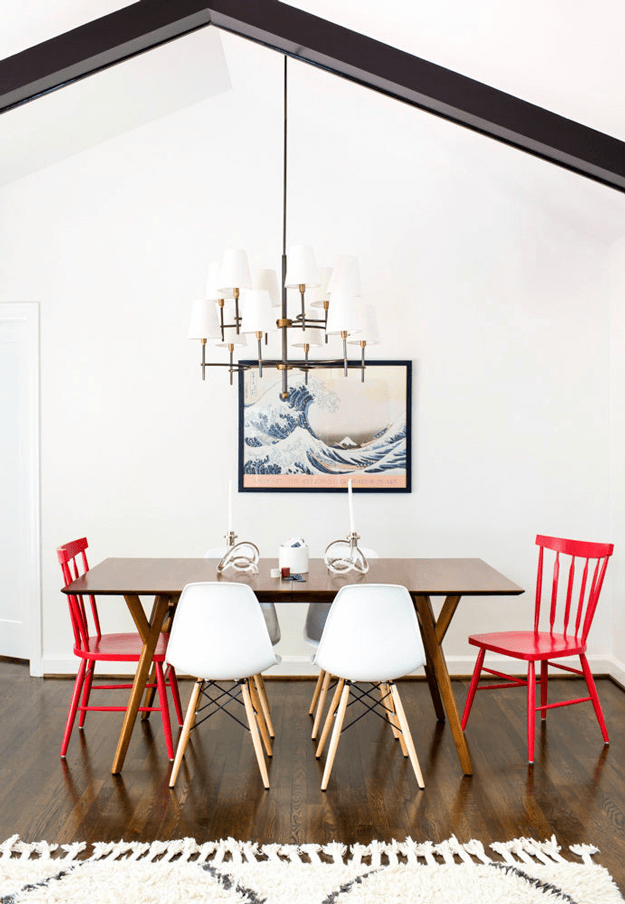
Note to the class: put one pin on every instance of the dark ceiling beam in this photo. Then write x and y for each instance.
(464, 101)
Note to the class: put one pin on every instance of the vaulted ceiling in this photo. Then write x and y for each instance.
(127, 32)
(552, 89)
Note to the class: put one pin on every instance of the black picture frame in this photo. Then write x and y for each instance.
(276, 457)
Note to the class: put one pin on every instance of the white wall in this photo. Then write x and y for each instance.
(500, 302)
(617, 447)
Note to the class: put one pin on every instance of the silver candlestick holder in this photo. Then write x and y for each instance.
(345, 555)
(242, 556)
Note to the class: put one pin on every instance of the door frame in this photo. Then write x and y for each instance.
(27, 312)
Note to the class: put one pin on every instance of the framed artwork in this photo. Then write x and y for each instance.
(329, 430)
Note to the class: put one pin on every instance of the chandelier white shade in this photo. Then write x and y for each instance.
(204, 322)
(369, 331)
(345, 276)
(318, 295)
(301, 268)
(268, 280)
(344, 315)
(257, 313)
(234, 274)
(307, 338)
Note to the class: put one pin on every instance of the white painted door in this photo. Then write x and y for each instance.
(20, 582)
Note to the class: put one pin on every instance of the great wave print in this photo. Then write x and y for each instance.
(327, 430)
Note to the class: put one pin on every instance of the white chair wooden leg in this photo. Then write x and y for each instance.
(336, 734)
(387, 703)
(260, 716)
(251, 718)
(189, 721)
(385, 693)
(321, 704)
(328, 722)
(316, 693)
(264, 702)
(403, 724)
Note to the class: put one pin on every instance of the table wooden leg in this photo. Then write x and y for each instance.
(149, 632)
(150, 692)
(434, 650)
(430, 675)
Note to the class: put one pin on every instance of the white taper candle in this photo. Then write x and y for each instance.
(229, 506)
(352, 528)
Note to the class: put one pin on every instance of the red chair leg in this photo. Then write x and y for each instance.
(590, 682)
(73, 706)
(86, 693)
(173, 683)
(473, 687)
(544, 685)
(531, 709)
(162, 696)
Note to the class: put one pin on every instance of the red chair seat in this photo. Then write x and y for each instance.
(120, 648)
(529, 645)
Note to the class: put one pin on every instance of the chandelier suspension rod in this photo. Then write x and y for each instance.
(285, 349)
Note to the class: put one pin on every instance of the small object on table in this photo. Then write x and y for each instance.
(345, 555)
(285, 572)
(350, 503)
(275, 572)
(242, 556)
(293, 554)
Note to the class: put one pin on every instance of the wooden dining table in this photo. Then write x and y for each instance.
(164, 579)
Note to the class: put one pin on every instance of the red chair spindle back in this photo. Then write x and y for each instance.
(67, 556)
(585, 607)
(539, 590)
(593, 597)
(554, 592)
(569, 594)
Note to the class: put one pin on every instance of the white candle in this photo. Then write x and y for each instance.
(229, 506)
(352, 528)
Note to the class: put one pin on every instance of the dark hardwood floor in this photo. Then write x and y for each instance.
(576, 789)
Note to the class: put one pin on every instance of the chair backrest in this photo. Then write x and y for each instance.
(371, 634)
(73, 560)
(573, 604)
(318, 612)
(219, 632)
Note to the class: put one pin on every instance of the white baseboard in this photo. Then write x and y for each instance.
(614, 667)
(301, 666)
(291, 666)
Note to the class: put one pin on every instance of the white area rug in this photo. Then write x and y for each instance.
(522, 871)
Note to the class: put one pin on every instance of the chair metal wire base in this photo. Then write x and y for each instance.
(215, 704)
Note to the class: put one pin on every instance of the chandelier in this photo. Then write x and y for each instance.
(236, 307)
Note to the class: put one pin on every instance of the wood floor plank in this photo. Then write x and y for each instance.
(575, 790)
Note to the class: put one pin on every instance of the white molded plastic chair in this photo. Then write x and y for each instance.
(313, 629)
(268, 609)
(273, 627)
(371, 635)
(219, 634)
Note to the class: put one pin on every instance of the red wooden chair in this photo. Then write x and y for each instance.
(100, 647)
(574, 616)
